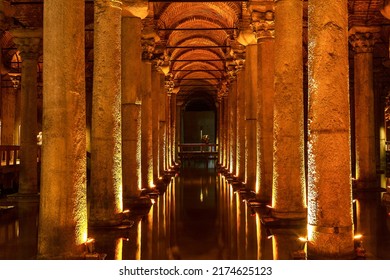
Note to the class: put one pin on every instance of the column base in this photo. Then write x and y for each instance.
(119, 221)
(330, 243)
(281, 215)
(138, 205)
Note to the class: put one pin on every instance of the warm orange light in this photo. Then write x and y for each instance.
(303, 239)
(358, 236)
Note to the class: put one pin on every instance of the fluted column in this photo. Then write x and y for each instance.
(362, 40)
(63, 204)
(106, 162)
(289, 195)
(330, 223)
(28, 43)
(131, 106)
(263, 24)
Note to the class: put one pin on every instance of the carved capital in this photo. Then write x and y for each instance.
(135, 8)
(28, 42)
(263, 24)
(364, 38)
(15, 79)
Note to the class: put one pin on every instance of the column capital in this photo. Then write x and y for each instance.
(363, 38)
(28, 42)
(149, 39)
(108, 3)
(246, 36)
(385, 10)
(135, 8)
(263, 19)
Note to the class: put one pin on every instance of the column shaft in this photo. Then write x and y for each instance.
(28, 43)
(265, 119)
(251, 91)
(147, 127)
(233, 128)
(106, 161)
(330, 224)
(155, 121)
(131, 106)
(241, 125)
(289, 199)
(173, 128)
(162, 130)
(63, 204)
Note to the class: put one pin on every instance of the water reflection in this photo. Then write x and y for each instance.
(200, 216)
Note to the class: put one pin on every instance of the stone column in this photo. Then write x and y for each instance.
(263, 25)
(362, 40)
(173, 128)
(219, 129)
(131, 106)
(241, 125)
(225, 132)
(106, 162)
(233, 128)
(330, 223)
(169, 131)
(251, 91)
(162, 129)
(146, 127)
(289, 195)
(155, 121)
(63, 221)
(28, 42)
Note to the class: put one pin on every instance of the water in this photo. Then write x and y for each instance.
(198, 217)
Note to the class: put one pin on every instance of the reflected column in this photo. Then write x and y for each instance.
(289, 190)
(28, 42)
(362, 40)
(330, 224)
(63, 205)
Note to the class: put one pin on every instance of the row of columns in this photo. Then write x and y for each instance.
(129, 141)
(274, 151)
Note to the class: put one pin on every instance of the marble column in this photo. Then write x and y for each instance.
(106, 158)
(219, 129)
(233, 127)
(251, 92)
(162, 129)
(173, 129)
(28, 43)
(241, 125)
(155, 121)
(63, 217)
(225, 132)
(263, 23)
(169, 131)
(362, 40)
(289, 190)
(146, 126)
(330, 221)
(131, 106)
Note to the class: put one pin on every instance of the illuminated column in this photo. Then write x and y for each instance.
(251, 91)
(162, 129)
(264, 27)
(63, 205)
(288, 198)
(155, 121)
(330, 224)
(179, 106)
(226, 131)
(233, 127)
(173, 128)
(146, 126)
(168, 128)
(131, 106)
(241, 125)
(219, 129)
(28, 43)
(106, 161)
(363, 39)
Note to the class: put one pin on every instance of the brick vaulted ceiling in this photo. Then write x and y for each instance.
(197, 36)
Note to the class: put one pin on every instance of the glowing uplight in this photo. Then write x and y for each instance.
(90, 245)
(153, 201)
(126, 211)
(303, 239)
(357, 236)
(270, 236)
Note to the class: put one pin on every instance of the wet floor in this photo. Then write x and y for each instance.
(198, 217)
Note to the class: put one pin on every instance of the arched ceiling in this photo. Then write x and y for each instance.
(197, 37)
